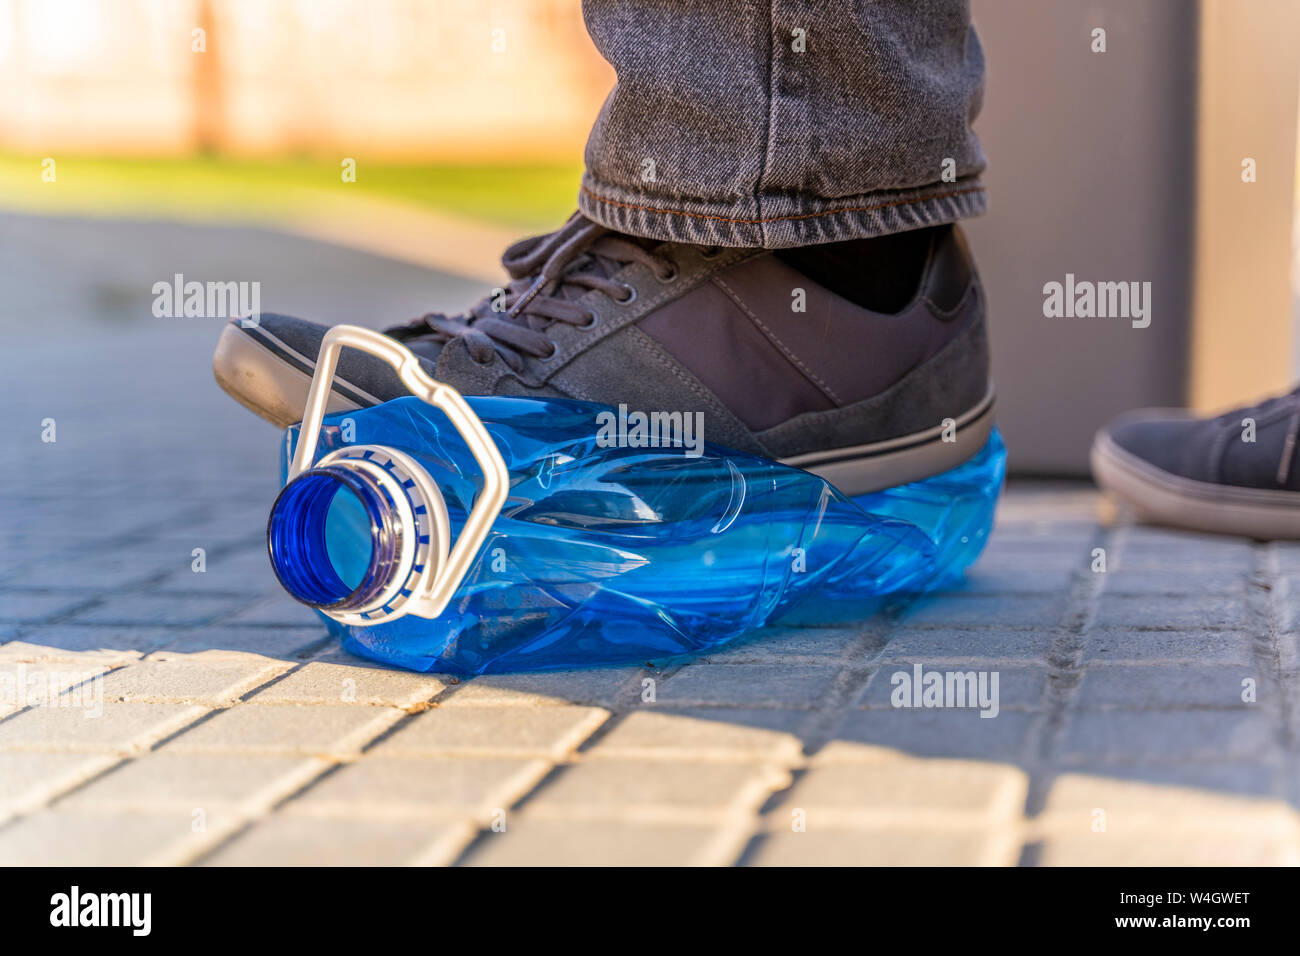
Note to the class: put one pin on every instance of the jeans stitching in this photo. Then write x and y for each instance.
(771, 109)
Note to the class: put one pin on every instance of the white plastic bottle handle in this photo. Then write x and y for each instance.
(496, 479)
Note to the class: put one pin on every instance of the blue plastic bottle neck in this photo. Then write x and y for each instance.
(300, 539)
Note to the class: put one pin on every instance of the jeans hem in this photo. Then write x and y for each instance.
(807, 223)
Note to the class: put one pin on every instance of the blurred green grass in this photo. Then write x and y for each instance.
(532, 196)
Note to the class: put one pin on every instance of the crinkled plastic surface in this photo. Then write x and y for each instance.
(607, 555)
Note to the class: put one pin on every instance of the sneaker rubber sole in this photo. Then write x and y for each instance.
(1159, 497)
(271, 379)
(862, 469)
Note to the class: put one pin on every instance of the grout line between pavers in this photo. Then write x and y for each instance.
(332, 763)
(108, 668)
(98, 767)
(735, 824)
(124, 757)
(614, 713)
(244, 815)
(1064, 657)
(857, 663)
(155, 745)
(97, 594)
(1263, 600)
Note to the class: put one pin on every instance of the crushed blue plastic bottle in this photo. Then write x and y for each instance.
(605, 555)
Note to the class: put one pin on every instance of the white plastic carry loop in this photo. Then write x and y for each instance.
(436, 574)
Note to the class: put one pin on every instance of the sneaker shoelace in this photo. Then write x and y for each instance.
(1231, 421)
(548, 274)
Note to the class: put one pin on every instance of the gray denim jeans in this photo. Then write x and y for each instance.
(782, 123)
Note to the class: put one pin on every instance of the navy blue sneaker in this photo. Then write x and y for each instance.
(1235, 473)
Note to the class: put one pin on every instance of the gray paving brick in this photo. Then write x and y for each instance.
(536, 842)
(323, 683)
(223, 574)
(1034, 553)
(1250, 780)
(1182, 687)
(210, 682)
(1067, 513)
(238, 522)
(276, 609)
(599, 686)
(655, 789)
(1169, 735)
(1163, 550)
(983, 610)
(1115, 646)
(275, 643)
(35, 606)
(287, 729)
(994, 580)
(40, 683)
(157, 610)
(1285, 598)
(905, 790)
(1289, 651)
(745, 685)
(177, 783)
(1292, 720)
(304, 841)
(67, 641)
(1104, 850)
(75, 839)
(940, 733)
(1150, 804)
(1018, 688)
(1286, 556)
(1187, 612)
(966, 646)
(493, 731)
(94, 572)
(433, 787)
(121, 728)
(705, 734)
(30, 780)
(883, 848)
(783, 644)
(1157, 581)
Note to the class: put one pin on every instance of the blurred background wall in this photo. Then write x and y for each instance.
(416, 79)
(1122, 164)
(1126, 165)
(1092, 174)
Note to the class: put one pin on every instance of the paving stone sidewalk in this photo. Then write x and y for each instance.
(1145, 713)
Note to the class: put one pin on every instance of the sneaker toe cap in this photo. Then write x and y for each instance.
(285, 341)
(299, 335)
(1159, 438)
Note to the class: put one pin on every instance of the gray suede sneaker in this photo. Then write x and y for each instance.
(1234, 473)
(868, 383)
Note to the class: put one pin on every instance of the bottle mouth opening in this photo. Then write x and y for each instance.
(332, 540)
